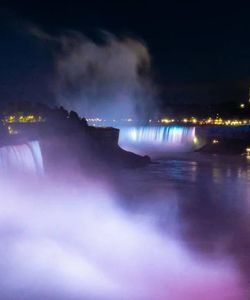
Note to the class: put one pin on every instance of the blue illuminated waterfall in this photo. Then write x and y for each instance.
(150, 139)
(25, 158)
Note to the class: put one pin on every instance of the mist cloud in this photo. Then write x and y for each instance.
(108, 79)
(64, 241)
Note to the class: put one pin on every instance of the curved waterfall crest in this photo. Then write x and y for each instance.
(157, 138)
(22, 158)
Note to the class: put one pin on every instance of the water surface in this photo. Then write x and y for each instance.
(204, 200)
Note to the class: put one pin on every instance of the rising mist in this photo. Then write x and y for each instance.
(70, 241)
(106, 79)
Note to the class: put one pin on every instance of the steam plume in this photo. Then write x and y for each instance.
(109, 79)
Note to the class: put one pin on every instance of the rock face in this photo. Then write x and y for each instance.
(88, 148)
(68, 142)
(105, 143)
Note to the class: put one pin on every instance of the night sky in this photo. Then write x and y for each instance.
(200, 51)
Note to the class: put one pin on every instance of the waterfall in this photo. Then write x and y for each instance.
(21, 158)
(144, 139)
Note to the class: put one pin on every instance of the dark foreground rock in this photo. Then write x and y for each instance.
(68, 142)
(83, 151)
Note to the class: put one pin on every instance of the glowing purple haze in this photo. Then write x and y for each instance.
(66, 241)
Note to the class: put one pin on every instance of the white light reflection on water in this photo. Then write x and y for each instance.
(210, 197)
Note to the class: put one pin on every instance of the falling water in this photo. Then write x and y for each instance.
(24, 158)
(147, 139)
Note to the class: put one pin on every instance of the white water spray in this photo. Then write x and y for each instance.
(73, 242)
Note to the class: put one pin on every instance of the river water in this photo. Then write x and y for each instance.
(203, 201)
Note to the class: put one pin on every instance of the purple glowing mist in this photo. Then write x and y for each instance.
(74, 241)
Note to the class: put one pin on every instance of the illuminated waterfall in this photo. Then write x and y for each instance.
(144, 139)
(22, 158)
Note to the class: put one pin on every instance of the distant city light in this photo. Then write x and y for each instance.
(208, 121)
(248, 153)
(22, 119)
(242, 105)
(195, 140)
(166, 120)
(12, 131)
